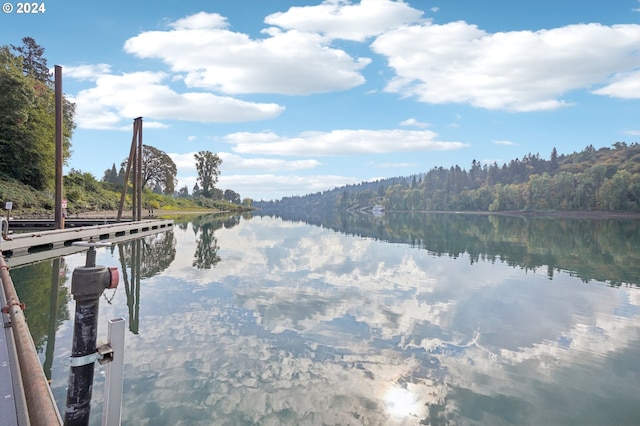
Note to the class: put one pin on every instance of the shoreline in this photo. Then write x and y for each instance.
(113, 214)
(568, 214)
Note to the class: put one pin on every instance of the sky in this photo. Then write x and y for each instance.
(298, 97)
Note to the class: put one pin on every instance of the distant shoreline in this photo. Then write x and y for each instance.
(569, 214)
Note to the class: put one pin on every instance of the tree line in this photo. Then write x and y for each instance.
(27, 122)
(159, 176)
(593, 179)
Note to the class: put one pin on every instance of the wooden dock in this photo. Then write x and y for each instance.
(31, 242)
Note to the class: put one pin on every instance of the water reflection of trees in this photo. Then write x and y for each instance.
(606, 250)
(156, 253)
(40, 287)
(143, 258)
(207, 248)
(33, 285)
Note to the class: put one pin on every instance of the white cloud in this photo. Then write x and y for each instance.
(86, 72)
(503, 142)
(516, 71)
(200, 21)
(186, 162)
(122, 97)
(274, 186)
(291, 62)
(626, 86)
(340, 142)
(279, 186)
(415, 123)
(344, 20)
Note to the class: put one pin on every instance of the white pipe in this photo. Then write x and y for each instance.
(112, 410)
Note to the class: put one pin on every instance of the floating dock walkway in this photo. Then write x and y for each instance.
(25, 397)
(36, 241)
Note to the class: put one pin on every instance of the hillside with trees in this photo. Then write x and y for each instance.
(605, 179)
(27, 122)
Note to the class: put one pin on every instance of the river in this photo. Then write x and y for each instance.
(404, 319)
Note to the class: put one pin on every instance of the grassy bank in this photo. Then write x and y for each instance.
(90, 197)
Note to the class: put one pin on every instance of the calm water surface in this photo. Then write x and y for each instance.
(399, 320)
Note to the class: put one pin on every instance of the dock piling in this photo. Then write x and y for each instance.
(87, 285)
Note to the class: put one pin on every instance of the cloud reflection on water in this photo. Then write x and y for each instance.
(302, 325)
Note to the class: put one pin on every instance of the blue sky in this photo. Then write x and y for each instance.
(303, 96)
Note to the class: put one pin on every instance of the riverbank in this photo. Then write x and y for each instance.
(113, 214)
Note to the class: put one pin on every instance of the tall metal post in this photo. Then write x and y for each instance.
(139, 168)
(59, 218)
(134, 169)
(125, 184)
(87, 285)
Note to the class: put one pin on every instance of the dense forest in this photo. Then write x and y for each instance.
(605, 179)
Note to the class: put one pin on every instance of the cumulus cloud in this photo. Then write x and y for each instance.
(516, 71)
(340, 142)
(186, 162)
(347, 21)
(290, 62)
(118, 97)
(200, 21)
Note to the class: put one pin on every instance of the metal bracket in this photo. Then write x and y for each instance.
(103, 355)
(106, 354)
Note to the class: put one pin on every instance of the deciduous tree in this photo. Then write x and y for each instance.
(27, 122)
(208, 166)
(158, 169)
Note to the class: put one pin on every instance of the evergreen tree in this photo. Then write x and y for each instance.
(34, 64)
(111, 175)
(183, 192)
(553, 165)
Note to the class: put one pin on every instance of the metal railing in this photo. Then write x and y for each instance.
(41, 406)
